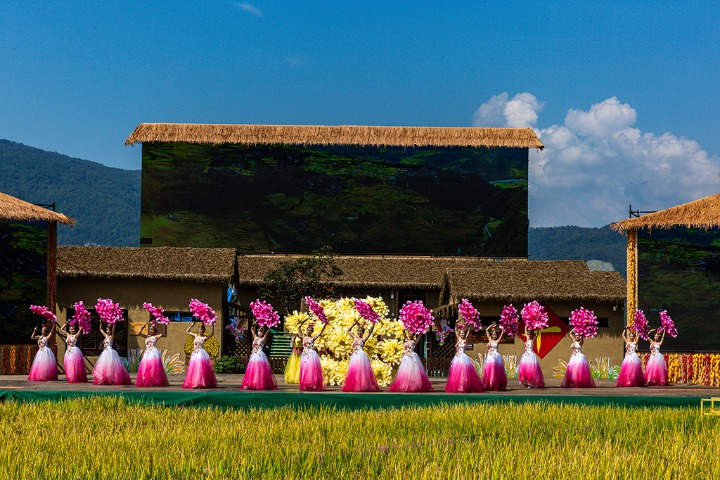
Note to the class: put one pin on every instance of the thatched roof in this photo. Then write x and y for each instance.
(703, 213)
(546, 280)
(372, 271)
(206, 265)
(217, 134)
(12, 208)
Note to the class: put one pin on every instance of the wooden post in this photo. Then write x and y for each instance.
(51, 265)
(632, 274)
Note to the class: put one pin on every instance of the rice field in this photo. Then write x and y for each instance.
(110, 438)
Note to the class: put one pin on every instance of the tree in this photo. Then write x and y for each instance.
(292, 280)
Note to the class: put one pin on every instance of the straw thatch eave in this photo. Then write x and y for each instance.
(204, 265)
(220, 134)
(370, 271)
(563, 281)
(12, 208)
(703, 213)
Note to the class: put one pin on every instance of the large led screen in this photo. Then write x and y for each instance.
(23, 278)
(679, 271)
(429, 201)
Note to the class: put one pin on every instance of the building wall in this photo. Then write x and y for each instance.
(132, 293)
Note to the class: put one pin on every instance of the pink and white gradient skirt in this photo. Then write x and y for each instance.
(463, 377)
(656, 373)
(44, 366)
(74, 366)
(360, 376)
(109, 369)
(494, 376)
(529, 371)
(631, 374)
(258, 374)
(577, 374)
(151, 372)
(200, 373)
(311, 376)
(411, 376)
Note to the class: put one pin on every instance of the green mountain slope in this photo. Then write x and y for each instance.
(578, 243)
(105, 201)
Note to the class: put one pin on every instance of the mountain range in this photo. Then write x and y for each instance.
(105, 201)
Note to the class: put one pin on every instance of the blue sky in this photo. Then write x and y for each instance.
(624, 94)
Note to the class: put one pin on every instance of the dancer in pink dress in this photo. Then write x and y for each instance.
(494, 375)
(463, 376)
(109, 369)
(656, 373)
(73, 360)
(200, 373)
(631, 374)
(411, 376)
(311, 376)
(258, 375)
(577, 373)
(529, 372)
(151, 372)
(44, 367)
(360, 376)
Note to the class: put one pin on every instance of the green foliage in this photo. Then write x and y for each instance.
(229, 364)
(105, 201)
(294, 279)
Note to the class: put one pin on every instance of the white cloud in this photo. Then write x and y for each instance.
(248, 8)
(596, 163)
(519, 112)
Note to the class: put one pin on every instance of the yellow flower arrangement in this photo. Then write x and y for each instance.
(384, 347)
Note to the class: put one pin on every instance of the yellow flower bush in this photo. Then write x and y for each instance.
(391, 350)
(384, 347)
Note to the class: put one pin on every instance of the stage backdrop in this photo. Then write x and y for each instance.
(679, 271)
(431, 201)
(23, 278)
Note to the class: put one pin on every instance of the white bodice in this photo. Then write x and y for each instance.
(358, 344)
(460, 346)
(71, 340)
(654, 347)
(409, 347)
(199, 342)
(529, 345)
(576, 348)
(42, 342)
(258, 344)
(107, 343)
(630, 348)
(308, 343)
(150, 342)
(492, 346)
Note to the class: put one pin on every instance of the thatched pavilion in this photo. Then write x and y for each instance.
(703, 213)
(15, 210)
(12, 208)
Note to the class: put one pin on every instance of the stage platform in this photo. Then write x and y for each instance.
(228, 395)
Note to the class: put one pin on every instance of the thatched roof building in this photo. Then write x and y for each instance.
(703, 213)
(216, 134)
(548, 281)
(203, 265)
(12, 208)
(511, 280)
